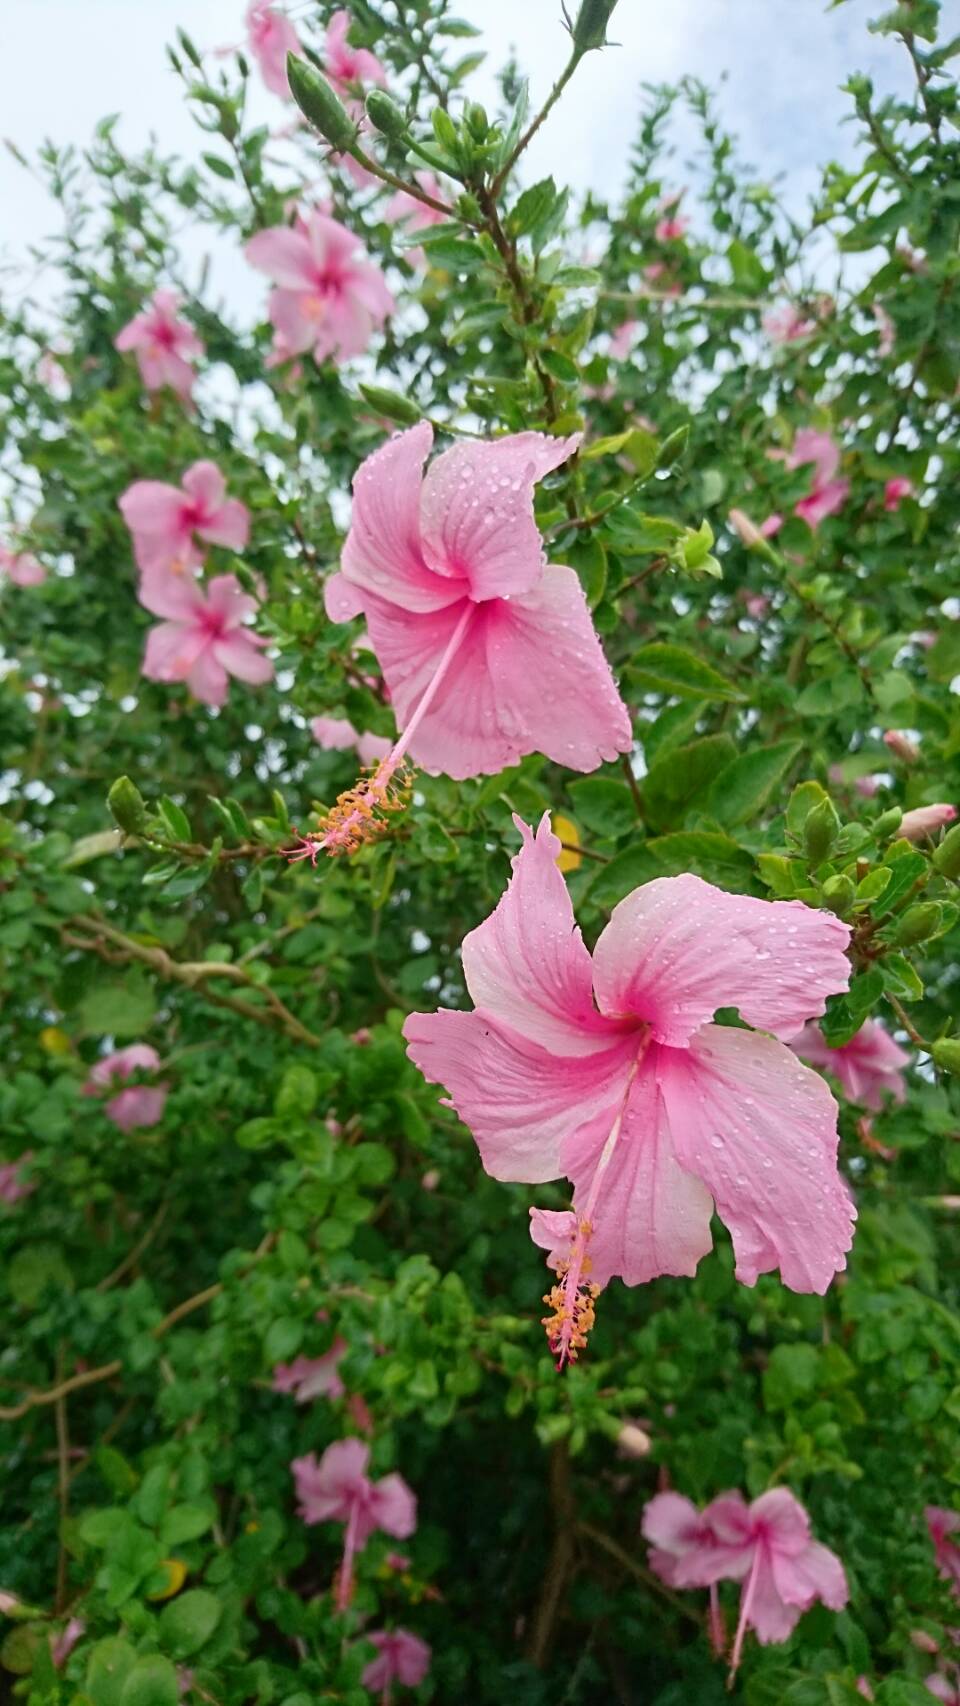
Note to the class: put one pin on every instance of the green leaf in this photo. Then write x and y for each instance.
(904, 872)
(185, 1522)
(682, 776)
(175, 820)
(603, 805)
(108, 1667)
(663, 668)
(151, 1682)
(38, 1270)
(188, 1621)
(846, 1013)
(283, 1340)
(122, 1008)
(744, 787)
(749, 272)
(589, 559)
(709, 855)
(791, 1373)
(625, 872)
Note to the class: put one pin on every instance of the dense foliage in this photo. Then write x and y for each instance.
(303, 1184)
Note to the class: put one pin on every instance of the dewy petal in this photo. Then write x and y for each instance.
(477, 511)
(518, 1100)
(677, 949)
(551, 682)
(652, 1216)
(760, 1131)
(527, 964)
(341, 599)
(383, 553)
(285, 256)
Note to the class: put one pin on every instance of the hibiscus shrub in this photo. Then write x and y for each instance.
(311, 1095)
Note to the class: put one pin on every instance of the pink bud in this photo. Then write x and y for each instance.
(632, 1441)
(923, 1642)
(747, 530)
(926, 820)
(895, 491)
(431, 1179)
(901, 746)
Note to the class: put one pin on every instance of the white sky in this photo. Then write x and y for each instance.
(65, 63)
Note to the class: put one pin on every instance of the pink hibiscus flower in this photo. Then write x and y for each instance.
(22, 568)
(941, 1524)
(943, 1689)
(608, 1071)
(328, 296)
(451, 564)
(401, 1657)
(786, 324)
(338, 1489)
(828, 493)
(869, 1066)
(164, 519)
(138, 1106)
(895, 491)
(766, 1545)
(270, 37)
(922, 821)
(164, 345)
(337, 734)
(312, 1377)
(203, 641)
(13, 1186)
(346, 65)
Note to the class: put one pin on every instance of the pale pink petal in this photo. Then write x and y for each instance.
(227, 600)
(344, 330)
(823, 501)
(24, 569)
(553, 1230)
(341, 599)
(770, 1618)
(811, 445)
(367, 284)
(230, 525)
(676, 1531)
(677, 949)
(477, 511)
(207, 679)
(372, 748)
(815, 1573)
(156, 515)
(760, 1131)
(526, 964)
(869, 1067)
(335, 734)
(285, 256)
(205, 484)
(383, 554)
(241, 655)
(393, 1507)
(172, 651)
(176, 596)
(519, 1101)
(652, 1215)
(139, 1106)
(295, 315)
(783, 1519)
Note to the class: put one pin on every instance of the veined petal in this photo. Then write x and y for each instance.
(518, 1100)
(477, 511)
(814, 1573)
(383, 554)
(760, 1131)
(651, 1216)
(527, 964)
(677, 949)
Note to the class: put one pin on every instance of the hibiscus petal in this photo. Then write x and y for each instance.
(393, 1506)
(172, 650)
(477, 511)
(341, 599)
(285, 256)
(241, 655)
(382, 554)
(296, 328)
(208, 680)
(651, 1216)
(205, 484)
(760, 1130)
(176, 596)
(769, 1618)
(551, 682)
(527, 964)
(518, 1100)
(344, 330)
(814, 1573)
(227, 599)
(677, 949)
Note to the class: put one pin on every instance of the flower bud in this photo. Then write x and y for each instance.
(127, 806)
(946, 1054)
(840, 892)
(747, 531)
(887, 823)
(918, 923)
(926, 820)
(385, 116)
(901, 746)
(632, 1441)
(590, 29)
(946, 857)
(477, 122)
(820, 830)
(390, 404)
(319, 105)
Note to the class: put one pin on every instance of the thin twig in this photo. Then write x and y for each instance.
(623, 1558)
(63, 1488)
(534, 126)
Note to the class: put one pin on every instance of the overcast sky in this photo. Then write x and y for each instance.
(65, 63)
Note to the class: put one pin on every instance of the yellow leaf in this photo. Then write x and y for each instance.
(566, 829)
(54, 1041)
(176, 1574)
